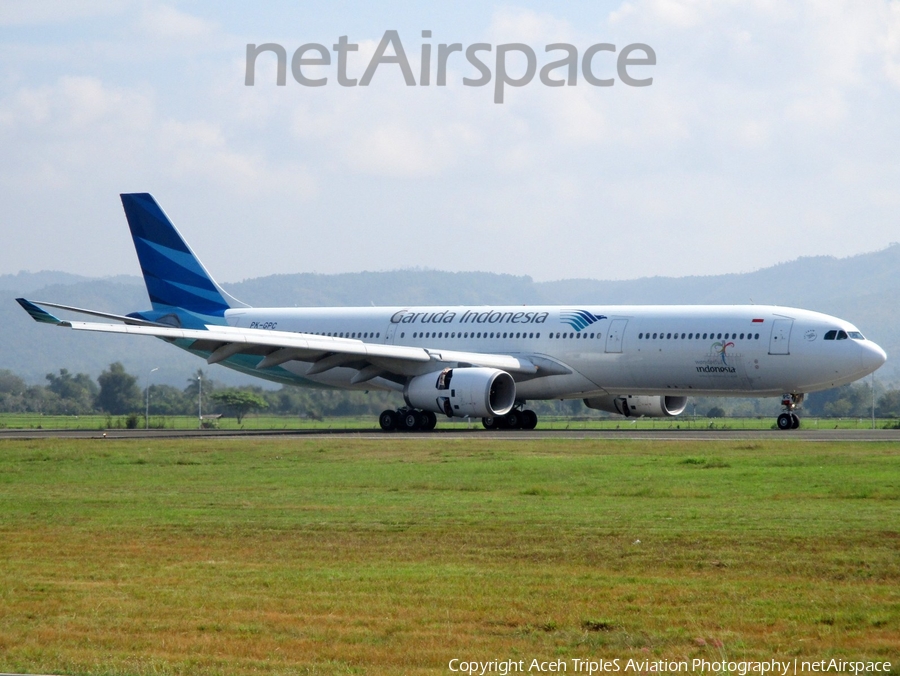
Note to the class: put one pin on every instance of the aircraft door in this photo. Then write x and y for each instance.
(389, 334)
(615, 334)
(780, 340)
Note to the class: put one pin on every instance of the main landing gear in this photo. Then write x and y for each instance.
(514, 420)
(414, 420)
(790, 420)
(407, 420)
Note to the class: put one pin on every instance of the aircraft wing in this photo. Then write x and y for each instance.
(371, 360)
(39, 314)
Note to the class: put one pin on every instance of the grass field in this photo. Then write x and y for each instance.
(340, 556)
(370, 422)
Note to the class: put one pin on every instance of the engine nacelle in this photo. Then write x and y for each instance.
(650, 407)
(467, 391)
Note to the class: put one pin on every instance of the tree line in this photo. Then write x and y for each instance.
(116, 392)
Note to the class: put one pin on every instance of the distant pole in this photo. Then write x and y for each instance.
(199, 402)
(147, 412)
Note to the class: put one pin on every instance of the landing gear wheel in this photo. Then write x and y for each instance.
(409, 421)
(388, 420)
(512, 420)
(490, 423)
(785, 422)
(529, 420)
(428, 421)
(795, 421)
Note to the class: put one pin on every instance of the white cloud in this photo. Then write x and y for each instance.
(166, 22)
(30, 12)
(891, 43)
(768, 128)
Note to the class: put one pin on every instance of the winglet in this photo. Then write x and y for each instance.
(38, 314)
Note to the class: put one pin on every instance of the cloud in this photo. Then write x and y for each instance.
(31, 13)
(166, 22)
(769, 128)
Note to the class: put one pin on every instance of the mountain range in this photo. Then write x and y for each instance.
(863, 289)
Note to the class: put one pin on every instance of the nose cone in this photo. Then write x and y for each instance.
(871, 356)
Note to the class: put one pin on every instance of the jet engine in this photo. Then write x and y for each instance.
(650, 407)
(467, 391)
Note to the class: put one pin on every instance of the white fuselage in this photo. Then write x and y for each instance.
(748, 350)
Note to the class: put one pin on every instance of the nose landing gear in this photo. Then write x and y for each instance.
(790, 420)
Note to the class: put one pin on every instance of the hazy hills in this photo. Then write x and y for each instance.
(864, 289)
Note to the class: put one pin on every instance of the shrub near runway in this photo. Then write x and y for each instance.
(396, 556)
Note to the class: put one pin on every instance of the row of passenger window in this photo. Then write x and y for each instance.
(472, 334)
(697, 336)
(499, 334)
(347, 334)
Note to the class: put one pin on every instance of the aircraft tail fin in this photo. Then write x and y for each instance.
(175, 277)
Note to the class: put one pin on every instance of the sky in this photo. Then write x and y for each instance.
(769, 132)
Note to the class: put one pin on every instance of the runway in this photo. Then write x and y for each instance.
(818, 435)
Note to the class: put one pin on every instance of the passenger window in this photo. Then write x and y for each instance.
(830, 335)
(742, 336)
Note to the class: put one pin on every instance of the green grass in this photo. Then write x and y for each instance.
(370, 422)
(393, 556)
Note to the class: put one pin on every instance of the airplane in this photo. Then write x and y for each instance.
(486, 361)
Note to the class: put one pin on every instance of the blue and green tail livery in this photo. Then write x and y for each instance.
(175, 277)
(38, 314)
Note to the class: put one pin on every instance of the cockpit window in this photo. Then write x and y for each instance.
(830, 335)
(856, 335)
(842, 335)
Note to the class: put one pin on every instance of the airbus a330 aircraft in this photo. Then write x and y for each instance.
(486, 362)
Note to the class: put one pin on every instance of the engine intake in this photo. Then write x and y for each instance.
(468, 391)
(650, 407)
